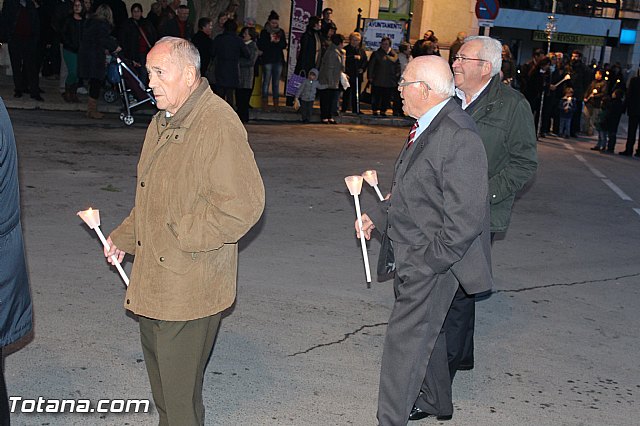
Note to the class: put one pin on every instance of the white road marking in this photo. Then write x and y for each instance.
(617, 190)
(636, 210)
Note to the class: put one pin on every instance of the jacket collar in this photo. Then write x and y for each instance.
(435, 123)
(183, 117)
(489, 99)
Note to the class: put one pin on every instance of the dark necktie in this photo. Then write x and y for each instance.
(412, 134)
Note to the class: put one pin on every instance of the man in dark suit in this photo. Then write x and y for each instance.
(437, 217)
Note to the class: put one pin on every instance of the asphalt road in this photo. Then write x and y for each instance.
(556, 343)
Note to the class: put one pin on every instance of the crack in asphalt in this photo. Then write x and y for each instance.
(519, 290)
(346, 336)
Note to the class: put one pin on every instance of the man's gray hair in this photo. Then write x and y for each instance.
(442, 84)
(491, 51)
(183, 51)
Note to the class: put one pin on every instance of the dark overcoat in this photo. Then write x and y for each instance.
(15, 299)
(96, 38)
(226, 51)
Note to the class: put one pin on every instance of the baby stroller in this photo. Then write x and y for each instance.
(131, 89)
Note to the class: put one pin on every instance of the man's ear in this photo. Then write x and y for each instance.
(190, 74)
(486, 68)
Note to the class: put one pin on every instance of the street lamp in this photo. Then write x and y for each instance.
(550, 29)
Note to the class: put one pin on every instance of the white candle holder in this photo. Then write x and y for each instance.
(354, 183)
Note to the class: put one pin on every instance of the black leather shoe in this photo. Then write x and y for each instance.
(625, 153)
(418, 414)
(37, 98)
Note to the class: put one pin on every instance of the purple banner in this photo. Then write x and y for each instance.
(301, 11)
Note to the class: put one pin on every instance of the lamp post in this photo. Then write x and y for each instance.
(550, 29)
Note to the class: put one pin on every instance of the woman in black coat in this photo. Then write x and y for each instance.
(137, 37)
(310, 53)
(71, 35)
(272, 42)
(96, 38)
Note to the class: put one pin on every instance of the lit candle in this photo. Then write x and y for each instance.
(92, 218)
(354, 183)
(372, 179)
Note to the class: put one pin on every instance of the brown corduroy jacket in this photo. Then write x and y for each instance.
(198, 192)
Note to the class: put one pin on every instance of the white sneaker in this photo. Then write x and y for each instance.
(82, 91)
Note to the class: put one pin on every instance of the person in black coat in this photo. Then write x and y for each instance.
(272, 42)
(178, 26)
(71, 34)
(355, 65)
(632, 103)
(614, 111)
(20, 27)
(118, 12)
(16, 311)
(226, 51)
(91, 64)
(137, 37)
(310, 53)
(202, 41)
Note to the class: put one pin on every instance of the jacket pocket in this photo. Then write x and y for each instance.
(167, 253)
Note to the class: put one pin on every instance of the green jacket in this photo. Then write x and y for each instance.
(505, 124)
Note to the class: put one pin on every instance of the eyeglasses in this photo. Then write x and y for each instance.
(464, 59)
(403, 83)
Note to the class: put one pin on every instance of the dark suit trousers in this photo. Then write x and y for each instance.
(414, 348)
(23, 54)
(634, 120)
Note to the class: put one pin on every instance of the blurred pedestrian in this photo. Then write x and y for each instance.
(306, 94)
(355, 65)
(96, 39)
(383, 74)
(71, 35)
(508, 68)
(310, 53)
(20, 28)
(16, 316)
(580, 79)
(226, 51)
(272, 42)
(247, 76)
(455, 46)
(593, 100)
(137, 37)
(632, 102)
(179, 25)
(202, 41)
(566, 106)
(333, 65)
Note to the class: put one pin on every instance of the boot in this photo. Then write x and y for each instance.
(276, 104)
(67, 94)
(73, 95)
(92, 109)
(265, 104)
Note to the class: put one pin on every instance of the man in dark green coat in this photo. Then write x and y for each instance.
(15, 307)
(505, 124)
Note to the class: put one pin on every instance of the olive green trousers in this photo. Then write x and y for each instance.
(176, 354)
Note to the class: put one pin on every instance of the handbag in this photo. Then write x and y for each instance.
(113, 73)
(294, 83)
(386, 258)
(365, 96)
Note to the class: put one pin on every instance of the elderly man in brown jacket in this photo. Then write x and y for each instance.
(198, 192)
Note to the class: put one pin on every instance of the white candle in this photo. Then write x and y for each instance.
(354, 183)
(372, 179)
(92, 218)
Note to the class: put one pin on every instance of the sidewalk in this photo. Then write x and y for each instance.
(53, 102)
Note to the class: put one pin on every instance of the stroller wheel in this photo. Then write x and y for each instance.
(121, 116)
(109, 96)
(128, 120)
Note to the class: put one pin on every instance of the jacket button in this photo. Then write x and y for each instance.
(142, 184)
(139, 243)
(400, 161)
(394, 183)
(128, 302)
(161, 258)
(176, 136)
(389, 226)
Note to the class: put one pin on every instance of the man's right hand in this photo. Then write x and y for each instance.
(367, 227)
(113, 250)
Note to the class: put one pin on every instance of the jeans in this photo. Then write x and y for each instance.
(565, 126)
(271, 72)
(602, 139)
